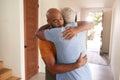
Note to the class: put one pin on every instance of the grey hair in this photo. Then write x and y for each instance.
(69, 14)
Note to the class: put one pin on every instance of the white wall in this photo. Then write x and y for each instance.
(10, 36)
(44, 5)
(83, 14)
(69, 3)
(115, 41)
(107, 14)
(119, 76)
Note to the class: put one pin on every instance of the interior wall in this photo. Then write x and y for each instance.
(115, 41)
(68, 3)
(83, 14)
(44, 5)
(107, 14)
(10, 36)
(114, 46)
(22, 55)
(119, 76)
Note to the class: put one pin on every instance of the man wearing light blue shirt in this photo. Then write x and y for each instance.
(68, 51)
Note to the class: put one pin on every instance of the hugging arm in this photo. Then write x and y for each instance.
(84, 25)
(70, 32)
(51, 64)
(40, 32)
(55, 68)
(48, 51)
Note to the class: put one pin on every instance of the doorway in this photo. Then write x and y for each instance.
(94, 35)
(94, 38)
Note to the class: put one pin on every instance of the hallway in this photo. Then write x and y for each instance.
(93, 51)
(99, 72)
(12, 34)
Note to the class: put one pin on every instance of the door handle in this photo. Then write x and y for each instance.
(25, 46)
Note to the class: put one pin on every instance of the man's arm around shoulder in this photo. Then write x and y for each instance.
(40, 32)
(84, 25)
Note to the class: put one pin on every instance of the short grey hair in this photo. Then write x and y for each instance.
(69, 14)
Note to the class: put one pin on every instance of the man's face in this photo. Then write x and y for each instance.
(56, 20)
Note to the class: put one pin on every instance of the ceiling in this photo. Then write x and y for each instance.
(89, 3)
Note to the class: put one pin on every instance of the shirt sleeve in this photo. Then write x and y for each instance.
(51, 34)
(72, 24)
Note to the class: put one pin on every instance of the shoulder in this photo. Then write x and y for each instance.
(53, 30)
(73, 24)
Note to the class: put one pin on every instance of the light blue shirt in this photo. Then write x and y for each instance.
(68, 51)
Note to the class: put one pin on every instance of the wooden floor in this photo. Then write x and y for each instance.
(99, 72)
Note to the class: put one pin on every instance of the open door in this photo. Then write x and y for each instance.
(31, 43)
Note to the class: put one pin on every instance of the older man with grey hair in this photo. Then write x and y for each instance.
(68, 14)
(82, 73)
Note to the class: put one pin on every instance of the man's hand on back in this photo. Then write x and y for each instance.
(69, 33)
(82, 60)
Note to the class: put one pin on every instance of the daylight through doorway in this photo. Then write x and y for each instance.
(94, 40)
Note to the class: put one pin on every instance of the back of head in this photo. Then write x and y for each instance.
(51, 12)
(69, 15)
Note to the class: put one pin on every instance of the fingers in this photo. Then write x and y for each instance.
(80, 57)
(85, 56)
(82, 60)
(68, 37)
(67, 27)
(85, 59)
(68, 33)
